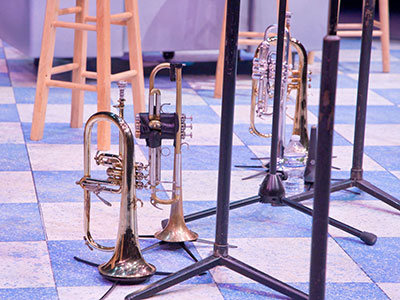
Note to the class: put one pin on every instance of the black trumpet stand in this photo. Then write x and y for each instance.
(319, 239)
(356, 175)
(272, 190)
(220, 256)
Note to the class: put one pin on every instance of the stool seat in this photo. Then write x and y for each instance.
(102, 22)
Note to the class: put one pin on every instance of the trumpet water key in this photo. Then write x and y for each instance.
(263, 72)
(127, 263)
(155, 126)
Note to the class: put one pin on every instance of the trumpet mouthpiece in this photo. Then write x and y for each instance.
(122, 85)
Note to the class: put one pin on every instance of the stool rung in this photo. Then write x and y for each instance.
(116, 19)
(353, 33)
(64, 68)
(123, 75)
(114, 77)
(89, 74)
(78, 26)
(249, 42)
(71, 85)
(251, 34)
(69, 10)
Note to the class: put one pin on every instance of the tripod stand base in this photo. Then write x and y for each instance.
(271, 189)
(209, 263)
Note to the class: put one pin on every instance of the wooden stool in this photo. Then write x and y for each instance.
(103, 20)
(354, 30)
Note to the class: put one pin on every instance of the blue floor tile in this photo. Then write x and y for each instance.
(60, 186)
(204, 157)
(29, 294)
(5, 79)
(8, 113)
(381, 262)
(56, 96)
(242, 131)
(265, 220)
(375, 67)
(69, 272)
(375, 114)
(62, 133)
(20, 222)
(387, 156)
(13, 157)
(334, 291)
(392, 95)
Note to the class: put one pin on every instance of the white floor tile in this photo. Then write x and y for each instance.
(348, 97)
(18, 187)
(25, 265)
(7, 95)
(104, 219)
(11, 133)
(375, 134)
(274, 255)
(391, 289)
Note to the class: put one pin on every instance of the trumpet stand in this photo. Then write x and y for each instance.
(272, 190)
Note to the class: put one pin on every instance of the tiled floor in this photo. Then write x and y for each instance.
(41, 207)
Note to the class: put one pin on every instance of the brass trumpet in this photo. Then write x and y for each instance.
(263, 74)
(155, 126)
(127, 263)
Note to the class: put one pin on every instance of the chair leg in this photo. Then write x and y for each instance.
(80, 52)
(44, 71)
(385, 37)
(220, 63)
(135, 56)
(103, 70)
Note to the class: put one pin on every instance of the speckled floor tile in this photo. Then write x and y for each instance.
(267, 255)
(11, 132)
(27, 265)
(391, 289)
(6, 95)
(18, 187)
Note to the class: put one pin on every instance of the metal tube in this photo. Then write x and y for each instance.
(323, 168)
(226, 133)
(333, 17)
(362, 93)
(277, 88)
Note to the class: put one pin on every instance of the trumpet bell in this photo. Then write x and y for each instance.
(176, 230)
(127, 263)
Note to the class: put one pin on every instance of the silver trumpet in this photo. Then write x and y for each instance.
(263, 76)
(127, 263)
(155, 126)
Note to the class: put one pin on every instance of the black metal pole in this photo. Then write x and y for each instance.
(319, 241)
(362, 94)
(333, 17)
(226, 133)
(277, 87)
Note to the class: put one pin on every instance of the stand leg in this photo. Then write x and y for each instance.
(366, 237)
(377, 193)
(175, 278)
(256, 275)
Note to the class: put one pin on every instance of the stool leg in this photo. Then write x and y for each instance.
(135, 56)
(385, 38)
(103, 70)
(44, 71)
(220, 62)
(80, 52)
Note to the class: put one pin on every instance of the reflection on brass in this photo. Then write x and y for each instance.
(127, 263)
